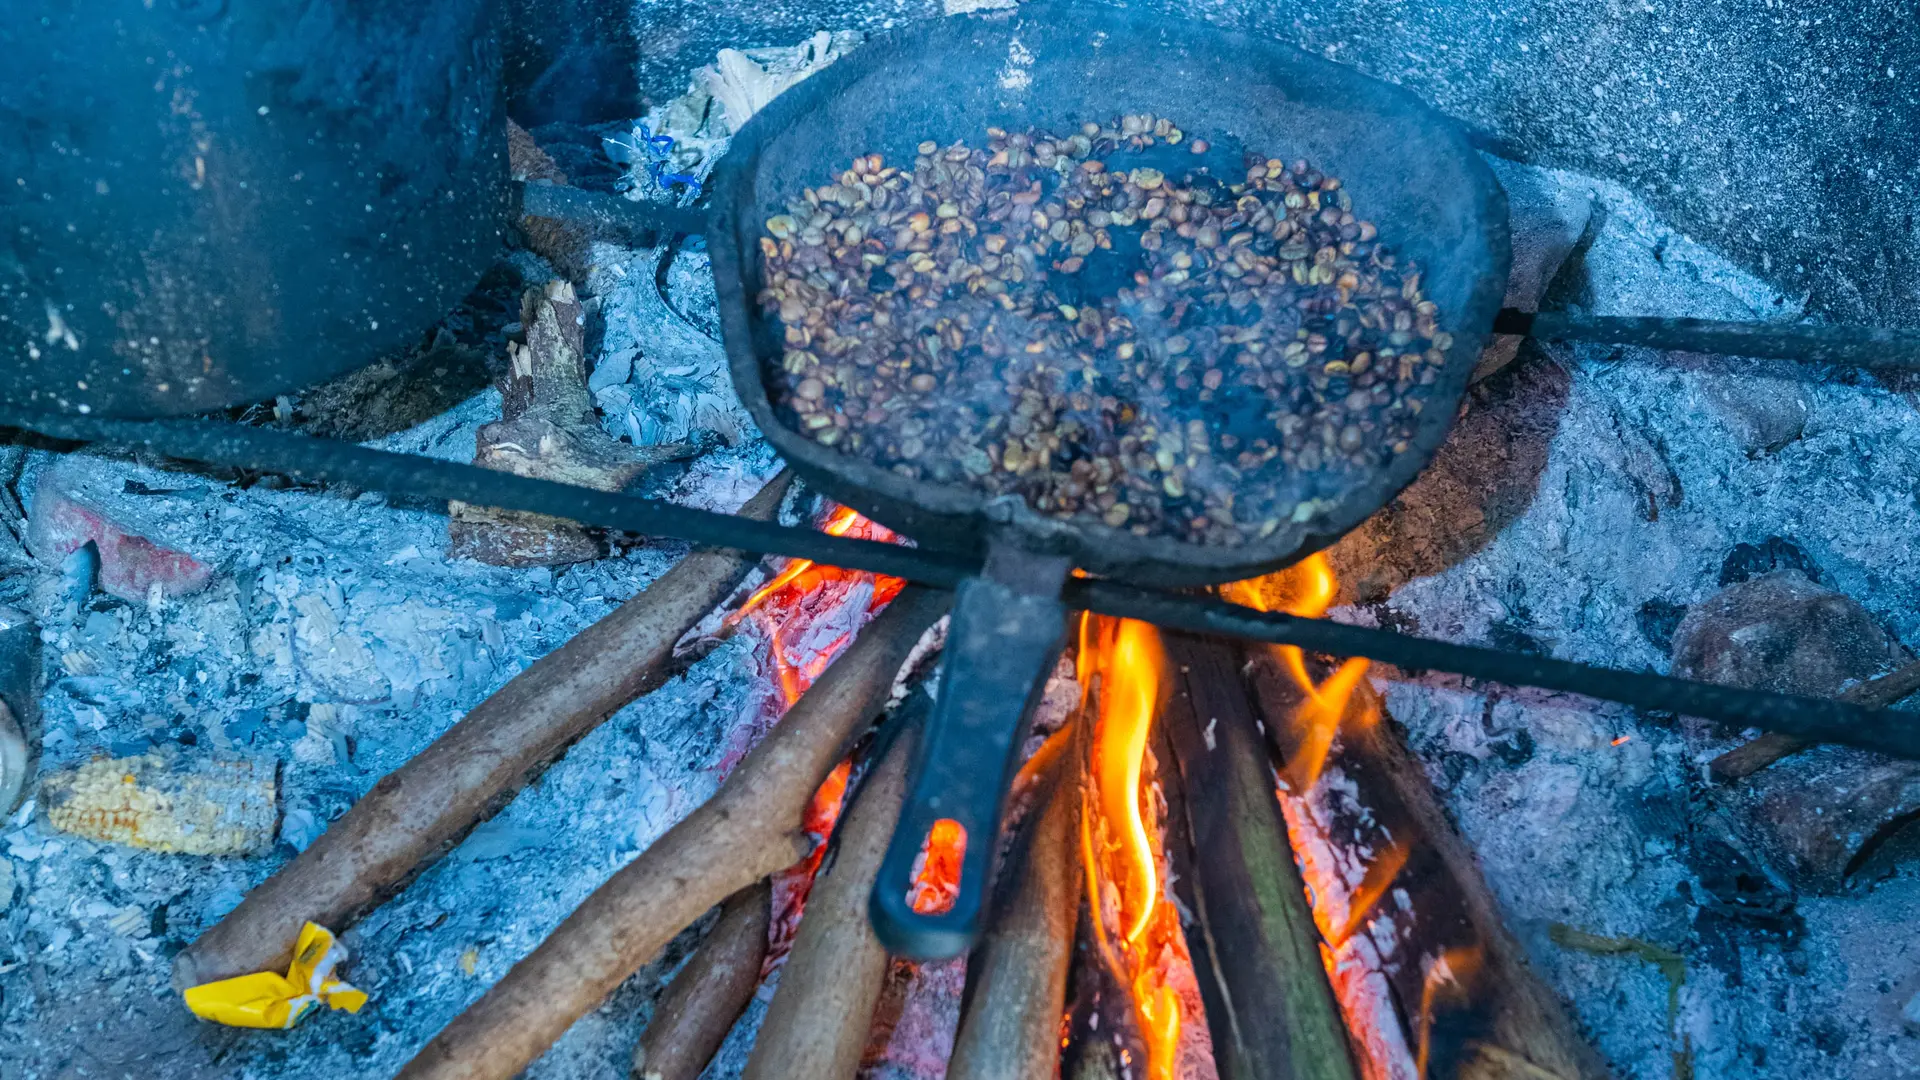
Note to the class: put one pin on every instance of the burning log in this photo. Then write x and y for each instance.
(1750, 757)
(700, 1006)
(1482, 1012)
(422, 808)
(749, 829)
(1139, 995)
(817, 1023)
(1010, 1029)
(1252, 935)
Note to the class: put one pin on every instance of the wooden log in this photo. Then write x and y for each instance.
(1750, 757)
(1269, 1007)
(1513, 1025)
(548, 430)
(420, 810)
(700, 1006)
(750, 828)
(1017, 990)
(817, 1023)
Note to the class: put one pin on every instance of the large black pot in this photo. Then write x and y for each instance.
(205, 202)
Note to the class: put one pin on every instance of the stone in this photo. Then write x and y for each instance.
(70, 509)
(1484, 477)
(1829, 816)
(1547, 213)
(1781, 632)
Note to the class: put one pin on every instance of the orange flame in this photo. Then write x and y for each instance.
(787, 601)
(794, 582)
(1126, 659)
(1380, 876)
(1307, 589)
(1447, 975)
(936, 875)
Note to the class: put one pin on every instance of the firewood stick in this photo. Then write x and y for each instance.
(749, 829)
(420, 810)
(703, 1001)
(1270, 1009)
(1750, 757)
(818, 1021)
(1011, 1027)
(1527, 1019)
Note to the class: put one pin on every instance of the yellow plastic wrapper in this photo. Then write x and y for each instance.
(267, 1000)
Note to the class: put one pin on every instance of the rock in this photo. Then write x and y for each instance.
(1781, 632)
(20, 680)
(1764, 403)
(1911, 1014)
(6, 884)
(1547, 212)
(70, 508)
(1827, 815)
(168, 801)
(1835, 816)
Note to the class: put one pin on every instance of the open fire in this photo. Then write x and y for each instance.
(1137, 933)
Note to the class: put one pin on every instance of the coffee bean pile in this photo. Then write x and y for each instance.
(1172, 339)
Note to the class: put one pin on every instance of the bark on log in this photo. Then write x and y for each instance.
(1748, 758)
(1520, 1028)
(749, 829)
(418, 811)
(818, 1021)
(700, 1006)
(1011, 1027)
(548, 430)
(1253, 939)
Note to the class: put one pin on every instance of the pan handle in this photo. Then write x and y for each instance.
(1007, 630)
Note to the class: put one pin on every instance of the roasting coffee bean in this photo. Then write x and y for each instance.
(1105, 324)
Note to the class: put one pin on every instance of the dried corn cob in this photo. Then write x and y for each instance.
(167, 801)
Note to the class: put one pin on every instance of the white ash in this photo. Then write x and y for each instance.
(411, 642)
(1589, 820)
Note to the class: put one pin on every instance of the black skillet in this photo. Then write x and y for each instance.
(1055, 66)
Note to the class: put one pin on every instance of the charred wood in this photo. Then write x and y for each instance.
(418, 811)
(749, 829)
(547, 430)
(1252, 935)
(1468, 1002)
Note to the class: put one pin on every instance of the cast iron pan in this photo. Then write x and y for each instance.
(1055, 66)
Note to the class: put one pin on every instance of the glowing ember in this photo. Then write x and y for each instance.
(1447, 977)
(780, 603)
(803, 611)
(936, 874)
(1119, 837)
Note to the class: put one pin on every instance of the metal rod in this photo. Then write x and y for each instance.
(1880, 348)
(1885, 730)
